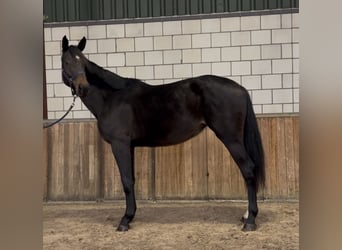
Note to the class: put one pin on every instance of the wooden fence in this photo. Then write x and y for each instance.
(79, 165)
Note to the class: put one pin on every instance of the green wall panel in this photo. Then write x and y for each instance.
(84, 10)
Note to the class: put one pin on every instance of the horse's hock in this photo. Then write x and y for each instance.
(79, 165)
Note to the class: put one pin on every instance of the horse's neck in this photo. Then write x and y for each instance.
(102, 78)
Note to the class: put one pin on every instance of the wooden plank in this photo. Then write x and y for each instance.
(81, 166)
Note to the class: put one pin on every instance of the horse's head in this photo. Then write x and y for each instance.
(73, 67)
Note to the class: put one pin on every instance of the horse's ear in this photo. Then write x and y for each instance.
(81, 45)
(65, 43)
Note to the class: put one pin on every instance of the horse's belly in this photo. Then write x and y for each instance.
(174, 135)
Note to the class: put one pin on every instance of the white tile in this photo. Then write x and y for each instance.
(156, 82)
(144, 72)
(117, 59)
(210, 25)
(52, 48)
(261, 37)
(286, 50)
(53, 76)
(134, 29)
(48, 62)
(288, 108)
(230, 24)
(153, 57)
(91, 47)
(47, 34)
(250, 22)
(295, 63)
(295, 50)
(58, 33)
(50, 92)
(99, 59)
(257, 109)
(115, 30)
(172, 56)
(134, 58)
(182, 71)
(106, 45)
(220, 39)
(296, 95)
(126, 72)
(286, 21)
(163, 72)
(51, 115)
(295, 20)
(191, 55)
(143, 43)
(191, 26)
(236, 79)
(221, 68)
(125, 44)
(251, 82)
(55, 104)
(272, 109)
(250, 53)
(182, 42)
(241, 68)
(172, 28)
(262, 96)
(271, 81)
(112, 69)
(296, 107)
(231, 54)
(78, 32)
(97, 31)
(287, 80)
(296, 80)
(295, 35)
(59, 114)
(241, 38)
(282, 96)
(68, 101)
(57, 62)
(281, 36)
(261, 67)
(162, 42)
(282, 66)
(211, 55)
(84, 114)
(153, 29)
(199, 69)
(201, 41)
(272, 51)
(270, 21)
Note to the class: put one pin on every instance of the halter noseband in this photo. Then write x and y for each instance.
(71, 78)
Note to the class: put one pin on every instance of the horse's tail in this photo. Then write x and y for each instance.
(253, 144)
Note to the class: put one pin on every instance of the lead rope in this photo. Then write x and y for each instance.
(70, 108)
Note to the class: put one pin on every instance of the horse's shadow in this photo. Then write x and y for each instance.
(165, 214)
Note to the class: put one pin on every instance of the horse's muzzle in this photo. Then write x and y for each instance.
(80, 86)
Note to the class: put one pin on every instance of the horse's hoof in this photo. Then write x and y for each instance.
(243, 220)
(122, 228)
(249, 227)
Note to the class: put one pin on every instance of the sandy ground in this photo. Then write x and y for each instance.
(170, 225)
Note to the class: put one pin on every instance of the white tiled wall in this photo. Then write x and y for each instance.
(259, 52)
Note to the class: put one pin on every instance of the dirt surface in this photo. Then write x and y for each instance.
(170, 225)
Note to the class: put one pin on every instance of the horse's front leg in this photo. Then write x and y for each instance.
(124, 155)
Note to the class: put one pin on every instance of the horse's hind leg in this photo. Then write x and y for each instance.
(234, 143)
(246, 166)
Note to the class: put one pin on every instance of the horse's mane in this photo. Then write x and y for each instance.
(104, 78)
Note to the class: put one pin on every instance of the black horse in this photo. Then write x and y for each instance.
(132, 113)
